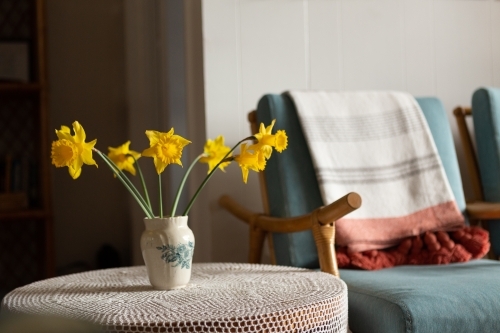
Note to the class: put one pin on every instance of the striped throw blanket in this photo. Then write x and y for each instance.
(377, 144)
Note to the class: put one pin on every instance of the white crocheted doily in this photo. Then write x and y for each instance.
(219, 298)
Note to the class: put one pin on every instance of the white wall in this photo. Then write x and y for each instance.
(443, 48)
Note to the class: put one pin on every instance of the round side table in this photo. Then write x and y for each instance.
(219, 298)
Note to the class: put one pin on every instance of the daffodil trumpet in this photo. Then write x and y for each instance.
(71, 150)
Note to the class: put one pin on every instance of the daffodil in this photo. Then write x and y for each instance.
(165, 148)
(281, 141)
(123, 157)
(250, 160)
(72, 151)
(267, 140)
(213, 152)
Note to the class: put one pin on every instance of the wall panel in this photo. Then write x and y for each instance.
(419, 47)
(495, 40)
(273, 49)
(462, 31)
(325, 51)
(221, 67)
(372, 49)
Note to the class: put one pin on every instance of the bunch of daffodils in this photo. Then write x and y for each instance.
(71, 150)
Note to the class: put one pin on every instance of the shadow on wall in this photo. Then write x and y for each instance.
(86, 74)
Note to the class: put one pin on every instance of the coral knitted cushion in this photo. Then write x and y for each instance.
(431, 248)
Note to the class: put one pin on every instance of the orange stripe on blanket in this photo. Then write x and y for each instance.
(378, 233)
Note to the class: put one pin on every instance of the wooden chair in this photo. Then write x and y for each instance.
(418, 299)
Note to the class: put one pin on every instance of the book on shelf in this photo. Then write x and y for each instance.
(14, 61)
(18, 183)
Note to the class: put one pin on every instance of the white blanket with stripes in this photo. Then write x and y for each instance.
(379, 145)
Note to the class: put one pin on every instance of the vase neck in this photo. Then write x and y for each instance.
(165, 222)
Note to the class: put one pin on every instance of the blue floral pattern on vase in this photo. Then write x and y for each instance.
(179, 255)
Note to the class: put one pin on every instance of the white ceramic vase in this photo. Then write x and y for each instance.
(167, 247)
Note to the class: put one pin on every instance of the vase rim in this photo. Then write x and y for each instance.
(165, 217)
(162, 222)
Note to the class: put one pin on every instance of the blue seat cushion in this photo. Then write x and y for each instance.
(425, 299)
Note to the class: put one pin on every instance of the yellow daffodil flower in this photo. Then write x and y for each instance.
(214, 151)
(281, 141)
(267, 140)
(123, 157)
(165, 148)
(72, 151)
(248, 160)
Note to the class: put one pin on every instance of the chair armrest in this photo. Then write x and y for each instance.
(321, 221)
(481, 210)
(326, 215)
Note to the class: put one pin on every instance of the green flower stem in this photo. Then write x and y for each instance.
(181, 186)
(142, 181)
(130, 187)
(190, 204)
(124, 178)
(161, 201)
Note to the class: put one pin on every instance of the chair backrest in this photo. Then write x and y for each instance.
(290, 180)
(486, 116)
(461, 113)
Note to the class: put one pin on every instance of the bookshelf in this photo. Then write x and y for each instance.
(26, 244)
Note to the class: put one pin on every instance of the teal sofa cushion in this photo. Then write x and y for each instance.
(425, 299)
(486, 115)
(436, 117)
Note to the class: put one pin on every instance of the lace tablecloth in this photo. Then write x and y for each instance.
(219, 298)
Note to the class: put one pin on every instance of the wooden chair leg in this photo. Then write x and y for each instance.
(469, 153)
(257, 238)
(324, 236)
(270, 243)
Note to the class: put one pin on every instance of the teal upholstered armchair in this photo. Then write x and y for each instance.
(433, 298)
